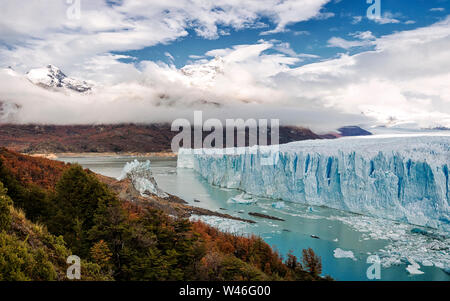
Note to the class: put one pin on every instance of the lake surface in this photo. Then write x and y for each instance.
(322, 229)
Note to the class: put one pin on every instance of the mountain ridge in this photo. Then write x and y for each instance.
(52, 77)
(118, 138)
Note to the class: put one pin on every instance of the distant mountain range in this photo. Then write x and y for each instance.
(353, 131)
(120, 138)
(112, 138)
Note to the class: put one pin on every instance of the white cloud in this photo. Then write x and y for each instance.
(324, 16)
(39, 33)
(301, 32)
(363, 35)
(437, 9)
(288, 12)
(240, 83)
(404, 77)
(364, 39)
(285, 48)
(356, 19)
(346, 44)
(387, 18)
(169, 56)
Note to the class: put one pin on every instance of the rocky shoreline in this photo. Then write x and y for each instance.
(53, 156)
(171, 205)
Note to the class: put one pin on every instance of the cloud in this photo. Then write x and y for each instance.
(403, 78)
(285, 47)
(356, 19)
(346, 44)
(387, 18)
(236, 85)
(40, 33)
(364, 39)
(169, 56)
(440, 9)
(301, 32)
(363, 35)
(288, 12)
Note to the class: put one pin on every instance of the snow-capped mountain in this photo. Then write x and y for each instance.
(10, 71)
(206, 73)
(53, 78)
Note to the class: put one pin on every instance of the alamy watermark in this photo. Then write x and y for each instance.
(374, 10)
(374, 270)
(74, 270)
(236, 137)
(73, 12)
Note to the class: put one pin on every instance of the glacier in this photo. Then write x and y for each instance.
(403, 178)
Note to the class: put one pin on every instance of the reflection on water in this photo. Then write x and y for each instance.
(294, 233)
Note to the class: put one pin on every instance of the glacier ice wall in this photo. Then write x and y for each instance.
(399, 178)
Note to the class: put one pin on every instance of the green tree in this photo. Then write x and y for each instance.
(5, 211)
(78, 196)
(19, 262)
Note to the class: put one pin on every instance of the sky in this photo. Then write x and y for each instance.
(314, 63)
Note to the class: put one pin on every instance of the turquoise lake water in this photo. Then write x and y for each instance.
(334, 229)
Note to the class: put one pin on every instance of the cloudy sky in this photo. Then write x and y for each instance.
(315, 63)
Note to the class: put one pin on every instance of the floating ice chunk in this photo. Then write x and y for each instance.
(311, 209)
(339, 253)
(414, 268)
(141, 177)
(335, 240)
(223, 224)
(404, 242)
(243, 198)
(279, 205)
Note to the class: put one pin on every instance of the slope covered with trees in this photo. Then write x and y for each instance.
(42, 223)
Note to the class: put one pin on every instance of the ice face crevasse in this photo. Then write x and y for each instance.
(400, 178)
(141, 177)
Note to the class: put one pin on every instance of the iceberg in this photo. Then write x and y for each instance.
(279, 205)
(414, 268)
(223, 224)
(339, 253)
(140, 175)
(403, 178)
(242, 199)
